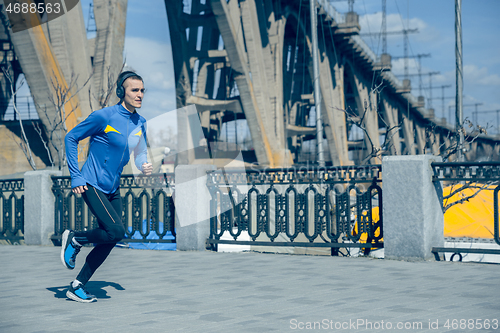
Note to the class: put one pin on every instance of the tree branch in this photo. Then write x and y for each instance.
(25, 147)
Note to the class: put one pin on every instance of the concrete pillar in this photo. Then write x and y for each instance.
(192, 207)
(332, 90)
(413, 218)
(38, 207)
(68, 38)
(228, 20)
(391, 117)
(111, 20)
(366, 100)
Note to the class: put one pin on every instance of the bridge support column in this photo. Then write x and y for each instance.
(192, 207)
(392, 128)
(366, 100)
(332, 90)
(421, 144)
(413, 218)
(110, 19)
(409, 136)
(39, 207)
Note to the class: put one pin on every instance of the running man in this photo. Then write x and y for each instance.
(114, 133)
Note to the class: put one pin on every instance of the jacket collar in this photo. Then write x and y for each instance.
(124, 112)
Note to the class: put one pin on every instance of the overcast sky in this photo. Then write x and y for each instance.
(147, 48)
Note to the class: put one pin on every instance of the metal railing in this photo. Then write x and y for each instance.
(466, 171)
(12, 208)
(478, 176)
(308, 207)
(148, 213)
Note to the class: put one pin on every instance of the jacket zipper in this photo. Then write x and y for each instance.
(124, 149)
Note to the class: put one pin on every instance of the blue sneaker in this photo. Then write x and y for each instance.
(79, 294)
(69, 250)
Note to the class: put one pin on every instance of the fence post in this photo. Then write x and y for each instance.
(38, 207)
(413, 218)
(192, 207)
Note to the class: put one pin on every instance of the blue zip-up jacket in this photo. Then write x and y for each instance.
(114, 133)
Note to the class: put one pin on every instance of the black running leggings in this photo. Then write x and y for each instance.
(107, 208)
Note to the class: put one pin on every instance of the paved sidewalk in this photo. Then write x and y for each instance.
(168, 291)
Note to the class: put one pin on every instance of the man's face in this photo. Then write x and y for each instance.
(134, 92)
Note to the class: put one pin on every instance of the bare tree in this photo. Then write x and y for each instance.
(104, 96)
(459, 188)
(476, 130)
(39, 131)
(56, 128)
(23, 143)
(387, 144)
(359, 121)
(470, 131)
(53, 131)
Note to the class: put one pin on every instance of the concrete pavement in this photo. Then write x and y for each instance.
(173, 291)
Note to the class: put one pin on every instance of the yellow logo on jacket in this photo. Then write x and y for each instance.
(110, 129)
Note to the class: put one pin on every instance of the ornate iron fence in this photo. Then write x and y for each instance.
(466, 171)
(12, 208)
(310, 207)
(148, 212)
(479, 176)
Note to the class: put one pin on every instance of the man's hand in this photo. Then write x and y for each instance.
(147, 168)
(80, 189)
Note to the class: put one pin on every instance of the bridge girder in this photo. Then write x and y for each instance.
(257, 60)
(245, 77)
(261, 41)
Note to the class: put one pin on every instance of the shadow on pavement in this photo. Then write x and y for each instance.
(93, 287)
